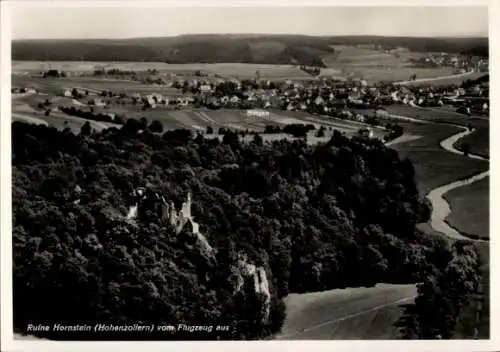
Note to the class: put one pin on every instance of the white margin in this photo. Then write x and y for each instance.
(7, 342)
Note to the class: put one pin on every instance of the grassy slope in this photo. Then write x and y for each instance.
(353, 313)
(446, 81)
(266, 71)
(479, 142)
(470, 208)
(377, 65)
(444, 115)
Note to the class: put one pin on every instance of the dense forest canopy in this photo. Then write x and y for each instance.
(297, 217)
(263, 49)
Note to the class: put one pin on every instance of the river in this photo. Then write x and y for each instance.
(440, 206)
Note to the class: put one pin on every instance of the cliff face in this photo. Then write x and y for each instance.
(258, 275)
(178, 219)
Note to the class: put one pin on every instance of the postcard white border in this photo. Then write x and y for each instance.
(9, 344)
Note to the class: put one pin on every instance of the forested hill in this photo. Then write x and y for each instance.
(263, 49)
(99, 232)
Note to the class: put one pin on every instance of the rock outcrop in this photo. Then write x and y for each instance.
(178, 219)
(257, 274)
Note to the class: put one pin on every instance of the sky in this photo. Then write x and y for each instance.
(128, 22)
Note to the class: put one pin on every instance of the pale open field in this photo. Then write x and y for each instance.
(470, 208)
(222, 69)
(346, 314)
(378, 65)
(458, 79)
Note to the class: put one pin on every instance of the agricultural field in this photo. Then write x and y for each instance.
(237, 70)
(470, 208)
(454, 79)
(56, 86)
(194, 119)
(378, 65)
(442, 114)
(25, 108)
(351, 313)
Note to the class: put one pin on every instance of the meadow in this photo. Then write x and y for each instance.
(375, 67)
(433, 165)
(442, 114)
(470, 208)
(456, 80)
(237, 70)
(378, 65)
(346, 314)
(478, 142)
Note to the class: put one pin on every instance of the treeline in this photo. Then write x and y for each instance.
(54, 74)
(481, 50)
(443, 294)
(468, 83)
(89, 114)
(320, 217)
(114, 72)
(290, 49)
(297, 130)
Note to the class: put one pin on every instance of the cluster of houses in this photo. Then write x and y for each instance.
(461, 63)
(320, 96)
(17, 90)
(324, 96)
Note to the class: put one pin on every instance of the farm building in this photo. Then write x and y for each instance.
(257, 113)
(205, 88)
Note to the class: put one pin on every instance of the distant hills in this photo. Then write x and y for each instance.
(241, 48)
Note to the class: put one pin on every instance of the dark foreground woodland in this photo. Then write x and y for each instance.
(312, 218)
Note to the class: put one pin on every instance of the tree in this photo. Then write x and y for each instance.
(86, 129)
(210, 130)
(143, 123)
(258, 140)
(466, 148)
(321, 132)
(156, 126)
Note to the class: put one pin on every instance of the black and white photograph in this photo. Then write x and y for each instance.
(242, 173)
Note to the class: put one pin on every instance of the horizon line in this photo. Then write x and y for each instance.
(457, 36)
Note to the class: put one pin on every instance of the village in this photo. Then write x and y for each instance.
(351, 99)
